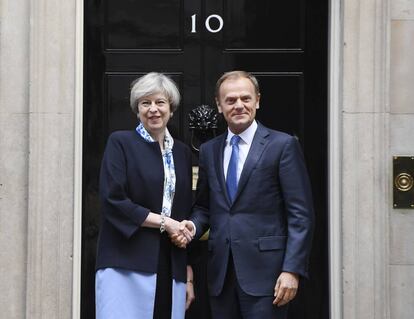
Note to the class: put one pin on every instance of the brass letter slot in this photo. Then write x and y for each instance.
(195, 177)
(403, 181)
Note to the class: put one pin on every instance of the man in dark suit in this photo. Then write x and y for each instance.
(254, 194)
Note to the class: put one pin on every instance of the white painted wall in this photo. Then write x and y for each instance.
(14, 154)
(51, 159)
(401, 257)
(37, 73)
(378, 122)
(365, 159)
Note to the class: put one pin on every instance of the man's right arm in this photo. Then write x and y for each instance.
(200, 214)
(198, 222)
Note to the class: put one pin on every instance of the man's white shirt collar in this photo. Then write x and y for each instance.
(246, 136)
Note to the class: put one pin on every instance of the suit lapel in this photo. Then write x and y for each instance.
(218, 158)
(256, 150)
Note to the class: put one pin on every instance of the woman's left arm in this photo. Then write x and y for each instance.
(190, 287)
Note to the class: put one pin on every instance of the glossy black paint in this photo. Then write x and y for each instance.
(284, 43)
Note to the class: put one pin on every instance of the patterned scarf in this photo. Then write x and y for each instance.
(169, 169)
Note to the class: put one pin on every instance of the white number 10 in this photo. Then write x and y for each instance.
(207, 23)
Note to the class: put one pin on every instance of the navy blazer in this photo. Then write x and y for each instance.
(269, 225)
(131, 185)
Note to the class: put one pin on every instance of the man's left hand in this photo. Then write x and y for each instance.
(286, 288)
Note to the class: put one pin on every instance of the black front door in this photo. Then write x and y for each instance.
(283, 43)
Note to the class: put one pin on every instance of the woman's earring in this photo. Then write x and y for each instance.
(171, 114)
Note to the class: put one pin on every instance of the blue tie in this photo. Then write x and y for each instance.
(231, 180)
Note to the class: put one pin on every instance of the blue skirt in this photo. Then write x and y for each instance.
(128, 294)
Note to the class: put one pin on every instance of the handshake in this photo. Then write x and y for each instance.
(180, 233)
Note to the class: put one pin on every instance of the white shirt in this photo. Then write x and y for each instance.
(246, 139)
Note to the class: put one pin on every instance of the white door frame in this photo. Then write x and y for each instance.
(335, 157)
(78, 144)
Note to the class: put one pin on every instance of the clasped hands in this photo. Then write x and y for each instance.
(180, 233)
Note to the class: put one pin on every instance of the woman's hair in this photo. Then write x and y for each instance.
(153, 83)
(234, 75)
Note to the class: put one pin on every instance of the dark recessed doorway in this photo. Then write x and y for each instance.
(284, 43)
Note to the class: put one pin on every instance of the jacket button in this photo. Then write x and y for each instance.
(227, 240)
